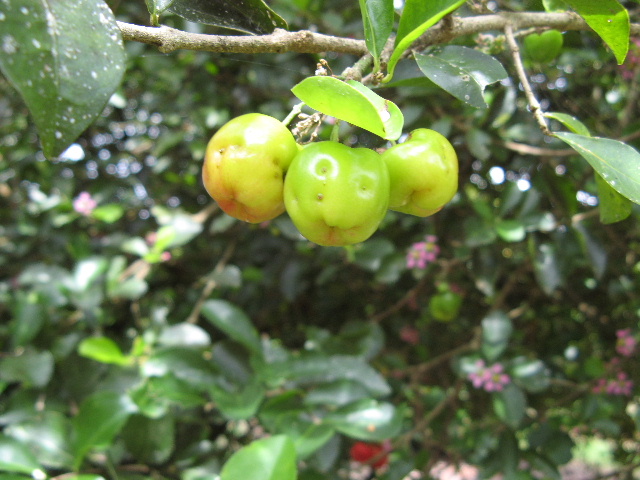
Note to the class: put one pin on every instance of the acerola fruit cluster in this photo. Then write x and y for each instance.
(335, 195)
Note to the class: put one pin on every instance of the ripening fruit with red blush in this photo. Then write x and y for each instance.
(372, 454)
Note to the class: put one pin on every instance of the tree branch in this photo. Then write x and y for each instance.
(170, 39)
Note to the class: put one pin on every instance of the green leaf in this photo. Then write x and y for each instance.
(64, 73)
(100, 417)
(569, 121)
(367, 420)
(613, 206)
(108, 213)
(103, 350)
(417, 17)
(461, 71)
(609, 20)
(510, 405)
(313, 438)
(318, 369)
(532, 374)
(157, 7)
(238, 401)
(377, 18)
(546, 267)
(615, 161)
(46, 435)
(271, 458)
(186, 364)
(234, 322)
(352, 102)
(511, 230)
(593, 248)
(17, 457)
(30, 368)
(184, 335)
(249, 16)
(150, 440)
(496, 331)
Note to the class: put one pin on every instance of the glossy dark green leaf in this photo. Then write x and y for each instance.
(366, 419)
(351, 102)
(312, 439)
(150, 440)
(186, 364)
(463, 72)
(157, 395)
(248, 16)
(234, 322)
(593, 248)
(510, 405)
(65, 74)
(184, 335)
(46, 435)
(377, 19)
(532, 374)
(17, 457)
(417, 16)
(103, 350)
(496, 332)
(609, 19)
(317, 369)
(100, 418)
(238, 401)
(30, 367)
(271, 458)
(547, 267)
(613, 206)
(615, 161)
(339, 393)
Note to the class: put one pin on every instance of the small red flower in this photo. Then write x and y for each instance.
(372, 454)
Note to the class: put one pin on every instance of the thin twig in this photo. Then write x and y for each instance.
(534, 105)
(211, 284)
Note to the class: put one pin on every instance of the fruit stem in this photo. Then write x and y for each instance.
(335, 132)
(293, 113)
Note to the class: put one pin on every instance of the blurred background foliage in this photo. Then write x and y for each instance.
(147, 334)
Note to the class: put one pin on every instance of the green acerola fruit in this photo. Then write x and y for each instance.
(244, 167)
(445, 306)
(423, 172)
(336, 195)
(543, 47)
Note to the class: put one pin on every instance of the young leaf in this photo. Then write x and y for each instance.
(461, 71)
(613, 206)
(352, 102)
(17, 457)
(609, 20)
(65, 74)
(248, 16)
(377, 19)
(271, 458)
(103, 350)
(569, 121)
(615, 161)
(417, 17)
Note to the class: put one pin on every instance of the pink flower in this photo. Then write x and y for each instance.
(620, 385)
(84, 204)
(626, 343)
(421, 254)
(491, 379)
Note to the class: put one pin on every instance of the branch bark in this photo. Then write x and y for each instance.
(170, 39)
